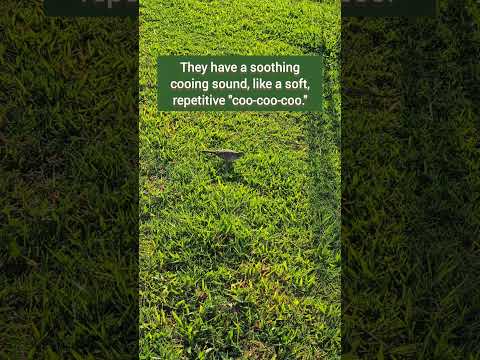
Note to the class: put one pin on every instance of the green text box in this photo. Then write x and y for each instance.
(170, 69)
(389, 8)
(91, 8)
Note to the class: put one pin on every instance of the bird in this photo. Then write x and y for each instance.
(225, 154)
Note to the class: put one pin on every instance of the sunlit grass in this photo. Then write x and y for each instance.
(239, 262)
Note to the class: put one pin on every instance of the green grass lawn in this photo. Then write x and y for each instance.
(241, 263)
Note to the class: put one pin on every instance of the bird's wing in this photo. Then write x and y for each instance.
(222, 152)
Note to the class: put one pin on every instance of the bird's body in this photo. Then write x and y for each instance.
(225, 154)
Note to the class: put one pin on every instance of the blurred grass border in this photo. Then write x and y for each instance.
(68, 185)
(411, 186)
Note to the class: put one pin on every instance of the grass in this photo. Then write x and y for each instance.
(241, 263)
(68, 185)
(410, 186)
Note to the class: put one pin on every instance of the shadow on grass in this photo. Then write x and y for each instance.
(227, 172)
(325, 180)
(325, 201)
